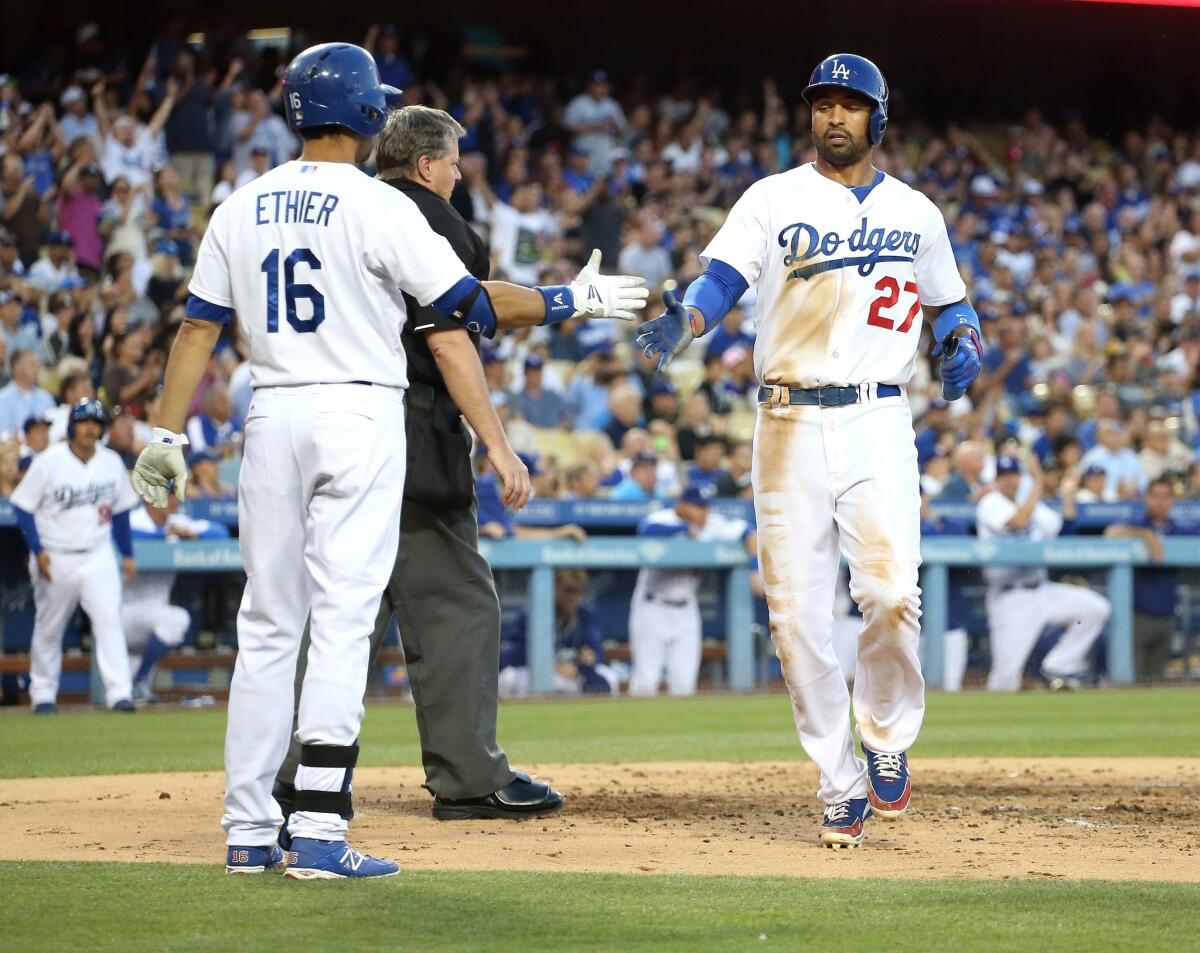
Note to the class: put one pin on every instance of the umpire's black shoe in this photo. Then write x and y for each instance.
(519, 799)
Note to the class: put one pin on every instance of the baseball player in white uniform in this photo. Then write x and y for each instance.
(314, 257)
(1021, 601)
(664, 616)
(845, 259)
(153, 627)
(73, 503)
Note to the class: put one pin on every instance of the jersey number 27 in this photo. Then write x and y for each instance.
(891, 294)
(292, 290)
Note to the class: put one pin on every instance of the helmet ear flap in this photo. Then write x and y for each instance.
(878, 125)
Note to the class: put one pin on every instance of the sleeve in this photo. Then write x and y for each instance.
(574, 116)
(211, 290)
(413, 255)
(425, 319)
(938, 280)
(127, 497)
(195, 435)
(992, 514)
(28, 494)
(121, 534)
(742, 241)
(28, 526)
(1049, 522)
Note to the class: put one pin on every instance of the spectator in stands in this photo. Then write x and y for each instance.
(542, 406)
(497, 522)
(597, 121)
(579, 663)
(22, 398)
(213, 430)
(255, 125)
(736, 482)
(11, 265)
(384, 44)
(260, 163)
(643, 254)
(707, 471)
(14, 335)
(55, 270)
(10, 466)
(625, 412)
(1125, 477)
(125, 219)
(641, 485)
(934, 423)
(189, 129)
(205, 481)
(36, 438)
(1162, 452)
(696, 422)
(662, 402)
(25, 213)
(74, 385)
(583, 482)
(121, 438)
(77, 122)
(1156, 589)
(1092, 481)
(719, 400)
(130, 149)
(127, 380)
(79, 207)
(586, 398)
(172, 211)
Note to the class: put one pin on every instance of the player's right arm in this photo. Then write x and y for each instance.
(209, 307)
(26, 499)
(732, 262)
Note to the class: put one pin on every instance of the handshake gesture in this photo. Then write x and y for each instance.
(607, 296)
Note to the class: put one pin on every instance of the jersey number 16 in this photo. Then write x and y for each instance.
(292, 290)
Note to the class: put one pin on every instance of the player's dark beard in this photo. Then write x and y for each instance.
(847, 153)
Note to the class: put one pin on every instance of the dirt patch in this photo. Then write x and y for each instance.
(1113, 819)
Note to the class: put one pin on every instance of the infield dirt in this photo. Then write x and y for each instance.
(1111, 819)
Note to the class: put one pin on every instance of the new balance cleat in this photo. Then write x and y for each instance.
(254, 860)
(311, 859)
(889, 785)
(844, 824)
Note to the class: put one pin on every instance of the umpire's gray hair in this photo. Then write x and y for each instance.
(412, 132)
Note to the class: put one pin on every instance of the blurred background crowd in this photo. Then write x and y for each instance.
(1081, 254)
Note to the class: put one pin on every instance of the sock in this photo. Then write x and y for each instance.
(151, 654)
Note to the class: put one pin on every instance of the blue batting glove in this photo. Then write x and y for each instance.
(668, 335)
(961, 363)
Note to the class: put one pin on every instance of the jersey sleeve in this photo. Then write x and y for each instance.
(741, 242)
(1049, 522)
(28, 494)
(211, 282)
(938, 280)
(992, 515)
(127, 497)
(413, 255)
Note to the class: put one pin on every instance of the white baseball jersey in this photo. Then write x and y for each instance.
(840, 282)
(73, 501)
(313, 256)
(991, 517)
(682, 584)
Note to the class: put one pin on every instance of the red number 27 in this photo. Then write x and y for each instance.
(891, 294)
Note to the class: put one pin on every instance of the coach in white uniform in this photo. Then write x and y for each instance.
(72, 504)
(664, 616)
(1021, 601)
(844, 259)
(317, 282)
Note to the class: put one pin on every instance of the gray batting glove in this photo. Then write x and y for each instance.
(160, 463)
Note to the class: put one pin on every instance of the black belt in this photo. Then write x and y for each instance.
(673, 603)
(821, 396)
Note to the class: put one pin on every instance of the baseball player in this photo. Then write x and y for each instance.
(318, 288)
(664, 616)
(845, 259)
(1021, 601)
(153, 627)
(72, 504)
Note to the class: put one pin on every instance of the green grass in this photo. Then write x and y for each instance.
(51, 908)
(710, 728)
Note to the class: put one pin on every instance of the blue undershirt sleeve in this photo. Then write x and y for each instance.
(715, 293)
(28, 527)
(122, 534)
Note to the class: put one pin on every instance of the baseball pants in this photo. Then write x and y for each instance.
(664, 638)
(89, 580)
(830, 478)
(1017, 617)
(318, 505)
(141, 620)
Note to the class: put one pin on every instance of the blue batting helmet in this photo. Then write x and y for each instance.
(857, 73)
(337, 84)
(87, 408)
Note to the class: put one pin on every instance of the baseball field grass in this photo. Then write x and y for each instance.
(97, 906)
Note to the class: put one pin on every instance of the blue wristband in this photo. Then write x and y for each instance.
(560, 302)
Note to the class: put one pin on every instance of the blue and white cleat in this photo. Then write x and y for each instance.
(45, 708)
(254, 860)
(889, 785)
(844, 824)
(311, 859)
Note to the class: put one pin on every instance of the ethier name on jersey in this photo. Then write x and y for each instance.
(294, 208)
(871, 240)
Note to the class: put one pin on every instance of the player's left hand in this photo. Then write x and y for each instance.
(668, 334)
(607, 296)
(160, 463)
(128, 569)
(961, 364)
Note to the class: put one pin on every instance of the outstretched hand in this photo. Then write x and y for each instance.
(669, 334)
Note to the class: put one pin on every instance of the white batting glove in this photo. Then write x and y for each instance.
(607, 296)
(160, 463)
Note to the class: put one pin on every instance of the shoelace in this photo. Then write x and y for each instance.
(890, 767)
(837, 812)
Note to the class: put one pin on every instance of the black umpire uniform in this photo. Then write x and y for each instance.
(441, 589)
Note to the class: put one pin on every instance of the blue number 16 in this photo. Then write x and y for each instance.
(292, 290)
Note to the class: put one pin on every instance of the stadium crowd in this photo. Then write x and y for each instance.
(1081, 254)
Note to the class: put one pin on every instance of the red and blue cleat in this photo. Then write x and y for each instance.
(844, 824)
(889, 785)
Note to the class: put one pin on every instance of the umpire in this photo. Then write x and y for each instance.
(441, 588)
